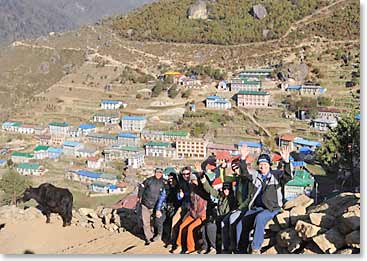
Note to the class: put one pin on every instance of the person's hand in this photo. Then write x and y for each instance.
(181, 193)
(285, 152)
(223, 164)
(197, 166)
(158, 214)
(244, 151)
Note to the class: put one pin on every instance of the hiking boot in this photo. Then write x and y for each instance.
(155, 238)
(255, 252)
(147, 243)
(175, 250)
(212, 251)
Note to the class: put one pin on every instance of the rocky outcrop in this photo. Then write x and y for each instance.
(198, 10)
(259, 11)
(298, 72)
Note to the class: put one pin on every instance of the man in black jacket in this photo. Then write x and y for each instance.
(265, 200)
(149, 192)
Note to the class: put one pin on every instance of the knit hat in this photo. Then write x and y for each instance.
(264, 158)
(193, 177)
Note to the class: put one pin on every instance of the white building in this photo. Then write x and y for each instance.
(94, 162)
(106, 118)
(70, 148)
(323, 124)
(216, 102)
(112, 104)
(136, 160)
(133, 123)
(59, 128)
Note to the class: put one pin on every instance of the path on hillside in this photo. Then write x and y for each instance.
(38, 237)
(253, 120)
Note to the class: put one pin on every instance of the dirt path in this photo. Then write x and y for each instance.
(41, 238)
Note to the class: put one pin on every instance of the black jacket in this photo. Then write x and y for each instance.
(272, 188)
(150, 190)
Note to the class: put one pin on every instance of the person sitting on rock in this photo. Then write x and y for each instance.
(266, 199)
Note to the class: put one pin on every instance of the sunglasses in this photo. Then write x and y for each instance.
(186, 173)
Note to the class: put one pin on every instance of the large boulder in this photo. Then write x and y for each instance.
(306, 230)
(322, 220)
(33, 213)
(353, 239)
(330, 241)
(85, 211)
(311, 249)
(300, 201)
(198, 10)
(298, 72)
(259, 11)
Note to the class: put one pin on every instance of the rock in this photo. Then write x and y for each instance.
(93, 215)
(355, 208)
(259, 11)
(283, 219)
(340, 203)
(106, 211)
(33, 213)
(272, 226)
(322, 220)
(117, 220)
(301, 201)
(349, 222)
(85, 211)
(298, 213)
(306, 230)
(289, 239)
(323, 207)
(298, 72)
(274, 250)
(99, 210)
(353, 239)
(270, 241)
(330, 241)
(198, 10)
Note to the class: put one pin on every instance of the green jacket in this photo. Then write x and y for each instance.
(225, 204)
(243, 190)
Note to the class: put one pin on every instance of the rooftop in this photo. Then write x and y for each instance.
(133, 118)
(158, 144)
(87, 126)
(111, 102)
(305, 142)
(33, 166)
(41, 147)
(22, 154)
(287, 137)
(102, 136)
(250, 144)
(176, 133)
(252, 93)
(221, 146)
(88, 174)
(71, 143)
(127, 135)
(58, 124)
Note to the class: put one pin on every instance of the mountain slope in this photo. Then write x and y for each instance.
(229, 21)
(20, 19)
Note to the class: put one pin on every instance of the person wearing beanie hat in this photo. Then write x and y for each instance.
(265, 200)
(226, 204)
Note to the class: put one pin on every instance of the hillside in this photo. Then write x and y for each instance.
(21, 19)
(228, 21)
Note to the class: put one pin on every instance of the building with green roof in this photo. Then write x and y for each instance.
(302, 183)
(27, 169)
(244, 84)
(166, 136)
(160, 149)
(41, 152)
(253, 99)
(118, 152)
(21, 157)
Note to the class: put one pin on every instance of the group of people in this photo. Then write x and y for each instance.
(206, 210)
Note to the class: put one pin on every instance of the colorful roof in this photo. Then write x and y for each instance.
(58, 124)
(129, 148)
(41, 148)
(111, 102)
(87, 126)
(299, 164)
(305, 142)
(176, 133)
(133, 118)
(101, 184)
(3, 161)
(158, 144)
(216, 146)
(22, 154)
(287, 137)
(88, 174)
(32, 166)
(294, 87)
(250, 144)
(54, 150)
(127, 135)
(252, 93)
(71, 143)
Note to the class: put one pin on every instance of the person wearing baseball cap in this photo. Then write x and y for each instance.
(265, 200)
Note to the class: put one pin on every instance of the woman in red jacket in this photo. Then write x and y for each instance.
(195, 217)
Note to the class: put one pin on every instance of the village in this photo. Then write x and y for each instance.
(108, 153)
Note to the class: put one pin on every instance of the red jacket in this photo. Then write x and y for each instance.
(198, 206)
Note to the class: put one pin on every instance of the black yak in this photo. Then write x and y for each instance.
(51, 199)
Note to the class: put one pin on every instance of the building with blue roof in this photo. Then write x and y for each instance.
(306, 89)
(71, 147)
(223, 86)
(85, 129)
(218, 103)
(106, 188)
(300, 142)
(3, 163)
(112, 104)
(54, 153)
(298, 164)
(128, 139)
(358, 117)
(323, 124)
(133, 123)
(254, 147)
